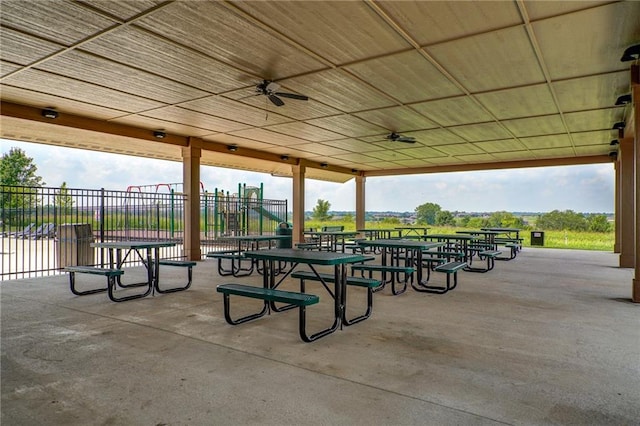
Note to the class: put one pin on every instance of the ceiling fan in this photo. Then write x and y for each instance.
(270, 90)
(396, 137)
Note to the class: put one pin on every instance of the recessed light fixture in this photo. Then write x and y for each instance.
(50, 113)
(624, 99)
(324, 165)
(159, 134)
(284, 157)
(232, 148)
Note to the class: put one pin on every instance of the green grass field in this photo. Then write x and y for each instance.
(602, 241)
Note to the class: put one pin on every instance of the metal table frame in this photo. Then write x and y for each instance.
(310, 258)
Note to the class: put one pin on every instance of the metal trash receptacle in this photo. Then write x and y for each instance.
(284, 229)
(537, 238)
(73, 245)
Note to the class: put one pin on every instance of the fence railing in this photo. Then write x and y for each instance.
(45, 229)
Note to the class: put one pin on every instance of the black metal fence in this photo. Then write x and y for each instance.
(45, 229)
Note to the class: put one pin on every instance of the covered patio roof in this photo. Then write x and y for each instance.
(476, 84)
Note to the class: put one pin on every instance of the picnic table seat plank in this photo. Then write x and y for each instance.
(449, 268)
(268, 295)
(368, 283)
(394, 272)
(110, 273)
(488, 255)
(189, 264)
(233, 256)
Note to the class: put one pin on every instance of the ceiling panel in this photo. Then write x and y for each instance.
(602, 138)
(305, 131)
(231, 38)
(398, 119)
(453, 111)
(351, 145)
(593, 120)
(321, 26)
(546, 9)
(91, 69)
(339, 90)
(123, 9)
(67, 23)
(460, 149)
(234, 110)
(503, 145)
(348, 125)
(146, 51)
(535, 126)
(581, 43)
(466, 79)
(547, 142)
(24, 49)
(269, 136)
(65, 87)
(520, 102)
(195, 119)
(480, 67)
(407, 77)
(437, 21)
(591, 92)
(480, 132)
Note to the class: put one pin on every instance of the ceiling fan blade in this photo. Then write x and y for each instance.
(406, 139)
(293, 96)
(275, 100)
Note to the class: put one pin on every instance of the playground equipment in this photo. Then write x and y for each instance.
(161, 206)
(245, 212)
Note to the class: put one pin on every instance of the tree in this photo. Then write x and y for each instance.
(445, 218)
(16, 169)
(565, 220)
(63, 199)
(599, 223)
(426, 213)
(321, 211)
(504, 219)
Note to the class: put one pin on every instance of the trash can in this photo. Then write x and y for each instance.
(73, 245)
(537, 238)
(284, 229)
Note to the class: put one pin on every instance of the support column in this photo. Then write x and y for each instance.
(360, 201)
(191, 184)
(616, 206)
(635, 95)
(298, 203)
(626, 155)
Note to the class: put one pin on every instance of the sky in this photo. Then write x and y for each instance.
(586, 189)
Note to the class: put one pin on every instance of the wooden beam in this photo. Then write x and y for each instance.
(78, 122)
(547, 162)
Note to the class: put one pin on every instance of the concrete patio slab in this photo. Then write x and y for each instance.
(548, 338)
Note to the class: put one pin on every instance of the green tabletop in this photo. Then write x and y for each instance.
(256, 237)
(400, 243)
(133, 244)
(306, 256)
(450, 236)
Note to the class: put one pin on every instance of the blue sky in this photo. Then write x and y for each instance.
(586, 189)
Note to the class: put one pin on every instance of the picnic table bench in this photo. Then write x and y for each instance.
(368, 283)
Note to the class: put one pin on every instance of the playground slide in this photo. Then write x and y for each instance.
(267, 214)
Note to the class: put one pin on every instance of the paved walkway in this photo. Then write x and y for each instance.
(549, 338)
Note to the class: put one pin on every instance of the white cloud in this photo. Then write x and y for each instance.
(580, 188)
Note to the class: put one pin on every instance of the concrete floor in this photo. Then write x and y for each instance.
(548, 338)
